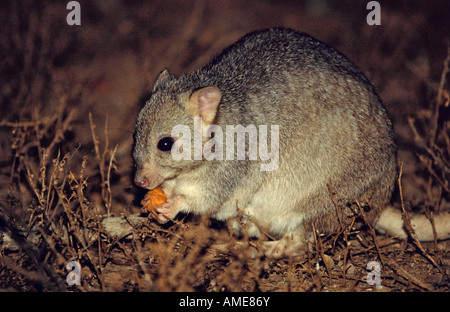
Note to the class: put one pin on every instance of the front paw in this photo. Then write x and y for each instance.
(169, 210)
(165, 212)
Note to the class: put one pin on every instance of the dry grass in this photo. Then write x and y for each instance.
(66, 132)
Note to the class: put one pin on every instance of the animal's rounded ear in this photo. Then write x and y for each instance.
(164, 75)
(204, 103)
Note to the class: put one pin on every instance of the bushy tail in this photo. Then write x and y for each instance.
(391, 222)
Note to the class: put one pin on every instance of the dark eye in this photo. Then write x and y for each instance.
(165, 144)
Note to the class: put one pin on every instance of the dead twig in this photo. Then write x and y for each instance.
(407, 222)
(105, 173)
(371, 231)
(405, 274)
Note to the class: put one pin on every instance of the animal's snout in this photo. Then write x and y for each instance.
(141, 181)
(148, 178)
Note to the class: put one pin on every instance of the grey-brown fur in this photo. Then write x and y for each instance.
(333, 130)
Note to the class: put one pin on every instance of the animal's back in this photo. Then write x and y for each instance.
(334, 129)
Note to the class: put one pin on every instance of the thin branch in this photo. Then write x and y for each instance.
(407, 221)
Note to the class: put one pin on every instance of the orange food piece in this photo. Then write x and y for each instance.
(153, 199)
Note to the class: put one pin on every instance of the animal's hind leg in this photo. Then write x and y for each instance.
(290, 245)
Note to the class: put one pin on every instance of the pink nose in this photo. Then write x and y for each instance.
(141, 181)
